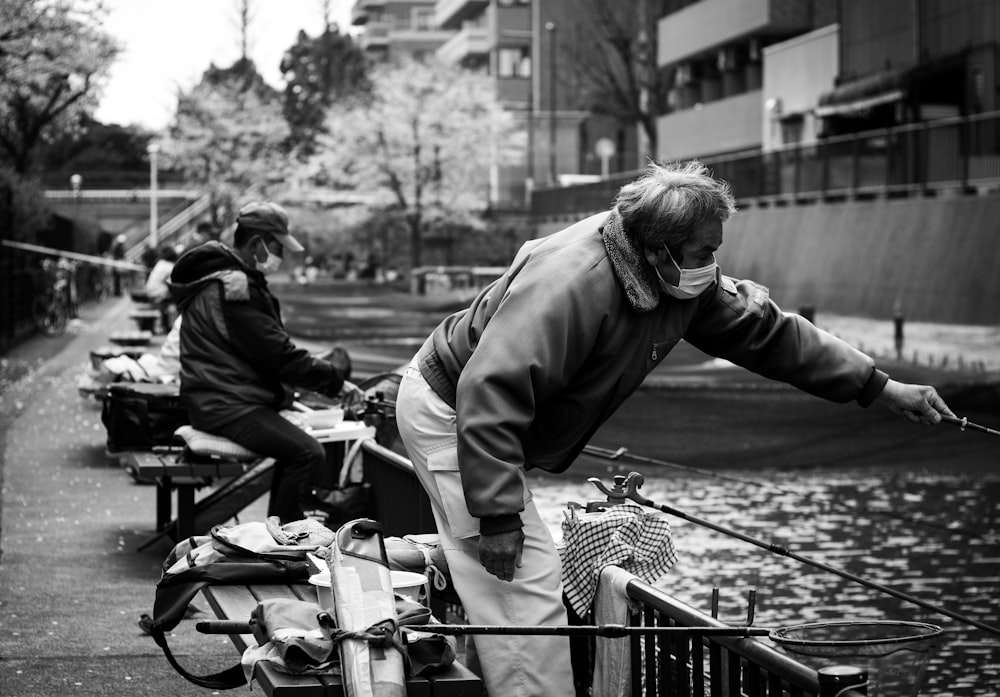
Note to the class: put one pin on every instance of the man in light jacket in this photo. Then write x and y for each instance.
(543, 356)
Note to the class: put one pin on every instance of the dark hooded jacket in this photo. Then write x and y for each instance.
(235, 353)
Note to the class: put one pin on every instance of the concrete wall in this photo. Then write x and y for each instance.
(939, 257)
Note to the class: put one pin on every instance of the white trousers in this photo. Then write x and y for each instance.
(512, 665)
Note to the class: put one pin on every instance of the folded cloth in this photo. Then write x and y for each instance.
(635, 538)
(612, 657)
(289, 635)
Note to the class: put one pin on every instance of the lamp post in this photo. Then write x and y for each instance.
(152, 149)
(550, 27)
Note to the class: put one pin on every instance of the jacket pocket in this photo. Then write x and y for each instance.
(443, 466)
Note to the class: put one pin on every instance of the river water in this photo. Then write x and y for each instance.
(933, 533)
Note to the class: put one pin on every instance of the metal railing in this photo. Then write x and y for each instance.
(679, 664)
(675, 665)
(958, 153)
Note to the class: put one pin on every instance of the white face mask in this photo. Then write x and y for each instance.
(692, 283)
(269, 265)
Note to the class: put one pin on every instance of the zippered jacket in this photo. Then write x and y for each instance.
(547, 353)
(235, 353)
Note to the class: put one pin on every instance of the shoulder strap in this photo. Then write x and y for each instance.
(223, 680)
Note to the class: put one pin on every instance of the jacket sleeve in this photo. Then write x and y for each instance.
(268, 348)
(738, 321)
(533, 344)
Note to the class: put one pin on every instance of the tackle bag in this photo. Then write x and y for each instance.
(350, 499)
(234, 555)
(139, 416)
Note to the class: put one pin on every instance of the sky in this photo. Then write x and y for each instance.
(168, 44)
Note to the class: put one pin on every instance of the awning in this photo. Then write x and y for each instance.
(863, 94)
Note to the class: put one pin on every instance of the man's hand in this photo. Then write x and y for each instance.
(500, 554)
(921, 404)
(351, 396)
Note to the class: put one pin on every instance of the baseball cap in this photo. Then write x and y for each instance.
(270, 218)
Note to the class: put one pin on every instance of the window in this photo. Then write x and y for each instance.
(514, 62)
(423, 18)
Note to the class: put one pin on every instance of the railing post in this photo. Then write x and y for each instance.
(855, 164)
(963, 152)
(835, 680)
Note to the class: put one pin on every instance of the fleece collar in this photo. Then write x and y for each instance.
(630, 265)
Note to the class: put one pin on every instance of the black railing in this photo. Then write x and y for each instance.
(959, 153)
(721, 666)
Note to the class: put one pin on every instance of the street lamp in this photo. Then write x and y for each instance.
(152, 149)
(550, 27)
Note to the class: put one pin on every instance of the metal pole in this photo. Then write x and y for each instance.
(550, 27)
(602, 630)
(153, 149)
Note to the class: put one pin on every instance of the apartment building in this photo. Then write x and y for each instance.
(393, 27)
(766, 74)
(530, 49)
(712, 51)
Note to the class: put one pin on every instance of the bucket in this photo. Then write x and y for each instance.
(410, 584)
(406, 583)
(894, 654)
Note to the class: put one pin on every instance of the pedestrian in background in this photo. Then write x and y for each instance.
(543, 356)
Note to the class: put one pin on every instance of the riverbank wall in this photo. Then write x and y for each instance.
(933, 259)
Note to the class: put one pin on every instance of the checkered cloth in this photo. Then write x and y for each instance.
(627, 535)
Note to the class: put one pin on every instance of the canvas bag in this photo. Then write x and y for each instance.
(237, 555)
(349, 500)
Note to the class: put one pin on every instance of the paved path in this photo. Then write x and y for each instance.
(72, 584)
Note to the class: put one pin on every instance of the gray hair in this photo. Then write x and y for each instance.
(670, 201)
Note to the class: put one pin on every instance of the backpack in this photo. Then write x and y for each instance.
(236, 555)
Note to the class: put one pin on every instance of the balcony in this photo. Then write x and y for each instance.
(375, 36)
(361, 8)
(449, 14)
(710, 24)
(470, 42)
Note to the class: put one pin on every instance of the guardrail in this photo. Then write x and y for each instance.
(716, 665)
(957, 153)
(661, 666)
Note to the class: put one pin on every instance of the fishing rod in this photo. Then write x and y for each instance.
(621, 452)
(602, 630)
(74, 256)
(963, 424)
(629, 490)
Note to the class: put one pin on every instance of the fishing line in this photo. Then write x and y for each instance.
(629, 490)
(623, 452)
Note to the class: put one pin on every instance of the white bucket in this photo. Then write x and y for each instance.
(406, 583)
(324, 591)
(411, 585)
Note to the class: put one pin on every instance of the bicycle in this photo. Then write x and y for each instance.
(50, 309)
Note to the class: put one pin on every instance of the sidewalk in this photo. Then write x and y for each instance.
(72, 584)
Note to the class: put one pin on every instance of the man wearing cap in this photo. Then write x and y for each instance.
(237, 358)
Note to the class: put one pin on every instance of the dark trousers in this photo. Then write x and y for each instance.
(298, 457)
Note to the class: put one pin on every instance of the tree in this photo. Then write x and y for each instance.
(53, 54)
(318, 73)
(425, 140)
(228, 136)
(615, 57)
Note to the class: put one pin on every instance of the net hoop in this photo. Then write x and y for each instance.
(907, 633)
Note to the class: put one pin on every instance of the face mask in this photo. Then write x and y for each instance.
(692, 283)
(271, 264)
